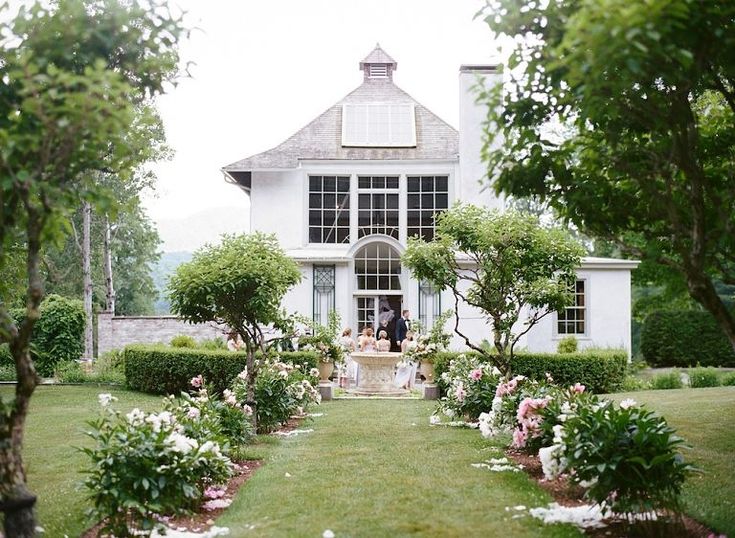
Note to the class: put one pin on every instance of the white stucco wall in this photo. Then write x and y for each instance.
(276, 206)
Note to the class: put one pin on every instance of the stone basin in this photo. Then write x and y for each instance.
(377, 370)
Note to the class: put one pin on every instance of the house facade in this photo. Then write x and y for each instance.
(344, 194)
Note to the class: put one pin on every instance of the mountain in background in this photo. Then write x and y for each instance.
(181, 237)
(189, 233)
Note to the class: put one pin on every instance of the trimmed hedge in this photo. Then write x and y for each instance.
(600, 371)
(166, 370)
(685, 338)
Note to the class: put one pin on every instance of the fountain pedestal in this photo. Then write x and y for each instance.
(377, 373)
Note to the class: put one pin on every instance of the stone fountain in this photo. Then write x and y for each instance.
(376, 373)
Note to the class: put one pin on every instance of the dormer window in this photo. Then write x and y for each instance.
(378, 65)
(383, 125)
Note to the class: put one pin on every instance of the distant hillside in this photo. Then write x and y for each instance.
(162, 271)
(187, 234)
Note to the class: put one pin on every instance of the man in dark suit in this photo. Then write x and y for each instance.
(402, 326)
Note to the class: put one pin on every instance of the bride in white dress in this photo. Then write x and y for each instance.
(406, 372)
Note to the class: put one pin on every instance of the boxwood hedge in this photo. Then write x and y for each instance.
(166, 370)
(601, 371)
(685, 338)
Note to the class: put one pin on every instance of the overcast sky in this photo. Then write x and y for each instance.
(264, 69)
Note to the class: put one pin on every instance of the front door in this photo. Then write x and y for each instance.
(381, 313)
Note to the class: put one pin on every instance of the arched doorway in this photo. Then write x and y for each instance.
(378, 295)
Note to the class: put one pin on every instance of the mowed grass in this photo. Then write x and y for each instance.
(56, 425)
(376, 468)
(704, 418)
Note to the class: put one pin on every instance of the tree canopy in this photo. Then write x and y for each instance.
(502, 263)
(70, 76)
(621, 115)
(238, 283)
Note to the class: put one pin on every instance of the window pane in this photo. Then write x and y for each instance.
(427, 183)
(442, 184)
(442, 201)
(315, 218)
(315, 183)
(427, 201)
(391, 183)
(414, 184)
(315, 201)
(413, 201)
(363, 182)
(315, 235)
(330, 201)
(392, 201)
(330, 183)
(343, 184)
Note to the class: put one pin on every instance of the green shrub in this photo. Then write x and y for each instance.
(567, 344)
(57, 335)
(165, 370)
(109, 367)
(628, 455)
(703, 377)
(601, 371)
(632, 384)
(7, 372)
(212, 343)
(6, 359)
(183, 340)
(685, 338)
(70, 372)
(728, 379)
(671, 380)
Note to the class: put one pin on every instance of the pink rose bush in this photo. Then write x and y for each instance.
(471, 385)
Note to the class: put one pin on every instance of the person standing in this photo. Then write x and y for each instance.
(402, 326)
(350, 368)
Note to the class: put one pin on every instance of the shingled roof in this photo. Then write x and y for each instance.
(322, 138)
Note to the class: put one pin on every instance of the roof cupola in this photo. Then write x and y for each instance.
(378, 65)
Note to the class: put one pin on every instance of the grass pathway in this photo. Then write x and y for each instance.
(376, 468)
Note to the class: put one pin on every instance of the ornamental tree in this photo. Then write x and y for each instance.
(503, 264)
(69, 75)
(621, 115)
(240, 284)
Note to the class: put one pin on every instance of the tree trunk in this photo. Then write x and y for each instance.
(251, 378)
(703, 291)
(107, 253)
(15, 499)
(87, 278)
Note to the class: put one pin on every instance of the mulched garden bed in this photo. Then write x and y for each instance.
(567, 494)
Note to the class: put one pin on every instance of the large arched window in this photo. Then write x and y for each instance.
(378, 267)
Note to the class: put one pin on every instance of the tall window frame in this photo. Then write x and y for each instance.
(430, 304)
(329, 209)
(574, 320)
(324, 279)
(426, 197)
(378, 206)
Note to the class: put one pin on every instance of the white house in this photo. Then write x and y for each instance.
(344, 193)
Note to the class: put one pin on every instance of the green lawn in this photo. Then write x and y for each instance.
(704, 418)
(376, 468)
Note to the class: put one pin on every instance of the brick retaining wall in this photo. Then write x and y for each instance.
(116, 332)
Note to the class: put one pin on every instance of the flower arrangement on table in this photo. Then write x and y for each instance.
(426, 346)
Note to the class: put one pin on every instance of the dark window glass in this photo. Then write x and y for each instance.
(329, 205)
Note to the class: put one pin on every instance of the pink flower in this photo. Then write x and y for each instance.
(193, 412)
(578, 388)
(247, 410)
(460, 392)
(519, 438)
(476, 374)
(197, 381)
(214, 492)
(523, 408)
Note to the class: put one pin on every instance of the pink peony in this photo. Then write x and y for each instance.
(578, 388)
(197, 381)
(519, 438)
(476, 374)
(460, 392)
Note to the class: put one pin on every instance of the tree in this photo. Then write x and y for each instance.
(240, 284)
(501, 264)
(68, 77)
(645, 93)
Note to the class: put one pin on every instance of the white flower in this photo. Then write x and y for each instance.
(434, 420)
(209, 446)
(283, 374)
(135, 417)
(558, 433)
(314, 372)
(166, 417)
(328, 534)
(551, 461)
(105, 399)
(247, 410)
(628, 403)
(180, 443)
(243, 375)
(193, 412)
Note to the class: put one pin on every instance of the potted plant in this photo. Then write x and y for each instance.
(323, 340)
(426, 347)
